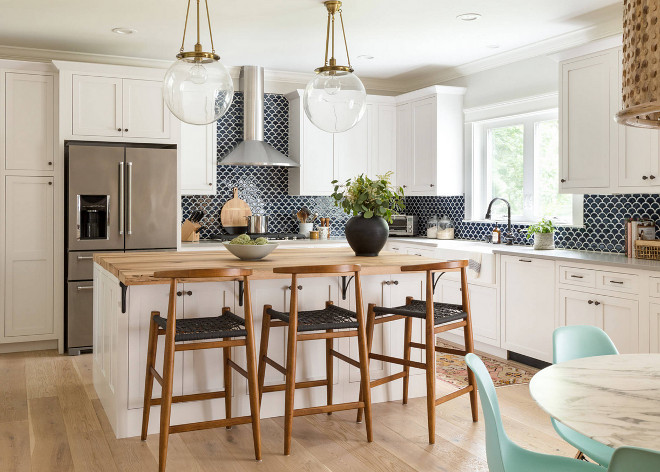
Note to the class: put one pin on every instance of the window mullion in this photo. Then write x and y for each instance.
(529, 199)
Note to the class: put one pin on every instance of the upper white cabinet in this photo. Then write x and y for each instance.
(597, 154)
(367, 148)
(29, 121)
(119, 107)
(29, 256)
(430, 141)
(198, 152)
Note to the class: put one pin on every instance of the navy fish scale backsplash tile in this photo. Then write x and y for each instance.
(265, 189)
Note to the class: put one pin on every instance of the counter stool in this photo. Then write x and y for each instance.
(316, 324)
(227, 327)
(439, 317)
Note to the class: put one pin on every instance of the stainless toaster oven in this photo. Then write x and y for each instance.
(403, 225)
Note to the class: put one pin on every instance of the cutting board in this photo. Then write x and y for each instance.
(233, 212)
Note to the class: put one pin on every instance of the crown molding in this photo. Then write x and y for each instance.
(612, 27)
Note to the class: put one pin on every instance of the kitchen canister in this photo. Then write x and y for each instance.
(432, 227)
(324, 232)
(445, 228)
(305, 228)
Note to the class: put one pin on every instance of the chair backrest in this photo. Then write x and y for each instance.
(575, 342)
(497, 442)
(319, 269)
(447, 266)
(634, 459)
(202, 273)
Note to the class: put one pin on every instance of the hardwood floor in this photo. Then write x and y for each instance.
(51, 420)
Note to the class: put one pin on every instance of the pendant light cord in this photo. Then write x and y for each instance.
(208, 18)
(330, 46)
(185, 26)
(343, 31)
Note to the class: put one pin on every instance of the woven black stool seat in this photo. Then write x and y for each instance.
(227, 325)
(331, 317)
(443, 312)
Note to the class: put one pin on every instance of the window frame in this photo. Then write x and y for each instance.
(526, 111)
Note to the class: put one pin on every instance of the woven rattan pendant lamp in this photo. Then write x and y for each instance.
(641, 64)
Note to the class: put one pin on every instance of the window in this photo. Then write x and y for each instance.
(517, 158)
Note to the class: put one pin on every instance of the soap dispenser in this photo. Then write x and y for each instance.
(497, 235)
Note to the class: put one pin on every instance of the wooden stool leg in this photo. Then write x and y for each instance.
(226, 357)
(371, 320)
(407, 338)
(253, 389)
(168, 374)
(430, 357)
(364, 356)
(263, 350)
(149, 376)
(291, 353)
(469, 344)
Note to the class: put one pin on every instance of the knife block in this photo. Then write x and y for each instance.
(189, 231)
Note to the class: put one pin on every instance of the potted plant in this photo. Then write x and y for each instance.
(543, 233)
(371, 203)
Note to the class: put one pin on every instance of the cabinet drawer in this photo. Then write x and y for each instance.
(81, 266)
(575, 276)
(617, 282)
(654, 287)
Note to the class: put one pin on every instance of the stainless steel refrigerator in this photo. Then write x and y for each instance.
(119, 197)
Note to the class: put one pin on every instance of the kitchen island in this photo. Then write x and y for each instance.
(126, 292)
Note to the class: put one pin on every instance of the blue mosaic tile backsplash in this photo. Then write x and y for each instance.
(265, 189)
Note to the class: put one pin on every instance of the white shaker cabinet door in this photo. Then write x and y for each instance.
(29, 255)
(317, 160)
(382, 140)
(588, 101)
(404, 156)
(528, 306)
(198, 159)
(145, 114)
(621, 322)
(638, 157)
(654, 313)
(97, 106)
(29, 118)
(351, 149)
(424, 146)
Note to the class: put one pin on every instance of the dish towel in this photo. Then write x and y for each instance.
(474, 264)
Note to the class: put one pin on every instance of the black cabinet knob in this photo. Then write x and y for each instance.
(590, 302)
(644, 177)
(125, 129)
(652, 177)
(563, 180)
(118, 129)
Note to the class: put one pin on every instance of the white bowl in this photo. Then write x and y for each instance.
(250, 252)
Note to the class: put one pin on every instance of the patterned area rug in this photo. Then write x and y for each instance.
(452, 369)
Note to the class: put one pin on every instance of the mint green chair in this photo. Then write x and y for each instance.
(634, 459)
(503, 454)
(575, 342)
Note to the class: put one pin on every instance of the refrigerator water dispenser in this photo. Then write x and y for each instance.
(93, 217)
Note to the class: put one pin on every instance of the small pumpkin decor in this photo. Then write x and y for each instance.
(371, 204)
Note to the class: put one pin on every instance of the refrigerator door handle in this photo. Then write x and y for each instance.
(129, 199)
(121, 198)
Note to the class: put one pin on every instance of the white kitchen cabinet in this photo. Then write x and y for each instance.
(483, 309)
(618, 317)
(29, 257)
(144, 113)
(367, 148)
(430, 141)
(118, 107)
(29, 121)
(528, 306)
(654, 311)
(198, 152)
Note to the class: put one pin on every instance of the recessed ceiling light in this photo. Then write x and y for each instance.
(469, 16)
(123, 30)
(365, 57)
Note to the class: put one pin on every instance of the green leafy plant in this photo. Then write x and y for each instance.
(543, 226)
(371, 197)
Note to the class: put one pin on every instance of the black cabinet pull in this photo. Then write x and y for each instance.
(299, 287)
(652, 177)
(644, 177)
(596, 303)
(179, 293)
(616, 282)
(524, 260)
(118, 129)
(590, 302)
(563, 180)
(125, 129)
(577, 276)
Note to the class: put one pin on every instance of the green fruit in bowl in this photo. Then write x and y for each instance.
(260, 241)
(241, 239)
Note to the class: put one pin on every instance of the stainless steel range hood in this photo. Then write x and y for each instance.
(253, 151)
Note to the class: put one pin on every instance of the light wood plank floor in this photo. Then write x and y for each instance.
(52, 420)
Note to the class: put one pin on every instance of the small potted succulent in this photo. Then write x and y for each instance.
(543, 233)
(371, 204)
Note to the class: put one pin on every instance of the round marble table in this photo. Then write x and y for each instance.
(612, 399)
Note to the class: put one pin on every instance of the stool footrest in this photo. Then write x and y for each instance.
(344, 358)
(181, 428)
(194, 397)
(157, 376)
(309, 384)
(396, 360)
(275, 365)
(209, 345)
(328, 408)
(389, 378)
(453, 395)
(331, 335)
(237, 368)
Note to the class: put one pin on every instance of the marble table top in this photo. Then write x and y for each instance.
(612, 399)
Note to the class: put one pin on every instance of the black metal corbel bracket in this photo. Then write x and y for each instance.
(437, 279)
(124, 289)
(344, 285)
(241, 292)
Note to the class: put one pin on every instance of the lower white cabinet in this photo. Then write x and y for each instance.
(618, 317)
(29, 256)
(483, 309)
(654, 330)
(528, 306)
(198, 159)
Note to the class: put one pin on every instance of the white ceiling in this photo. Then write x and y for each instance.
(407, 39)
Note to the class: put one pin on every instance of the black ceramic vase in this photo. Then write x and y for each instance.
(366, 236)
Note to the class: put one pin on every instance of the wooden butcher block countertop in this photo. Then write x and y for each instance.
(137, 268)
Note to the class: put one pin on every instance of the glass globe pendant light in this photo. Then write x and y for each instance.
(335, 100)
(198, 88)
